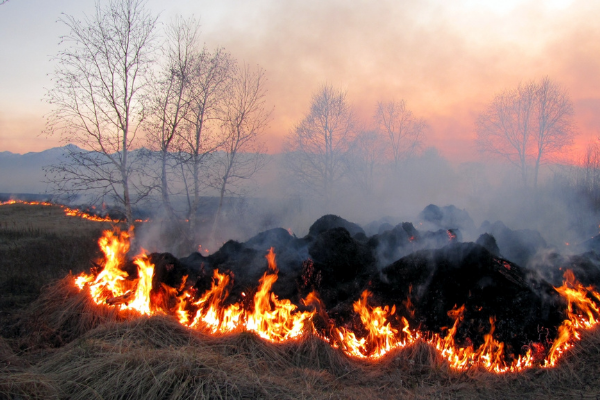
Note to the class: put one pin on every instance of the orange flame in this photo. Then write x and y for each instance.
(70, 212)
(141, 298)
(213, 314)
(381, 338)
(583, 313)
(274, 319)
(111, 281)
(279, 320)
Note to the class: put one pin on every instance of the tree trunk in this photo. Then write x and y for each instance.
(219, 208)
(537, 168)
(164, 186)
(194, 207)
(127, 199)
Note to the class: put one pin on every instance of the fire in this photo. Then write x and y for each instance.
(111, 281)
(279, 320)
(141, 298)
(269, 317)
(274, 319)
(70, 212)
(583, 313)
(490, 355)
(381, 338)
(211, 310)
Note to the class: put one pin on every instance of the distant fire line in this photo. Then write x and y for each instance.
(71, 212)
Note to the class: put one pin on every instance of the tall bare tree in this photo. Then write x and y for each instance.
(171, 98)
(403, 130)
(317, 146)
(212, 78)
(526, 124)
(244, 119)
(98, 97)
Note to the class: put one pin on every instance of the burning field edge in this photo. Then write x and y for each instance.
(100, 353)
(90, 336)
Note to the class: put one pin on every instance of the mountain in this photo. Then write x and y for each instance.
(23, 173)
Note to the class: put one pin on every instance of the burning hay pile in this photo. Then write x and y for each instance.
(281, 316)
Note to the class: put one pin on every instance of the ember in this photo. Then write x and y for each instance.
(475, 308)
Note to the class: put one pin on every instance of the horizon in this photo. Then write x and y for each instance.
(446, 61)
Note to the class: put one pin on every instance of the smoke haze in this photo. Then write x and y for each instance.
(447, 60)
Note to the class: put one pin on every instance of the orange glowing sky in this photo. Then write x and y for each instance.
(445, 59)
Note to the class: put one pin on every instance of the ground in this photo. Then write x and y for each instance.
(56, 344)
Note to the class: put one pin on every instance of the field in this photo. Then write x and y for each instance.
(56, 344)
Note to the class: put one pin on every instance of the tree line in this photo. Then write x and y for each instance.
(199, 114)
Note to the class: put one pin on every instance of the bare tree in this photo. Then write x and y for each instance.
(363, 157)
(171, 100)
(98, 97)
(316, 148)
(244, 118)
(527, 123)
(212, 77)
(587, 177)
(403, 129)
(554, 128)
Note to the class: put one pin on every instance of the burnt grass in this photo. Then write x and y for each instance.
(55, 343)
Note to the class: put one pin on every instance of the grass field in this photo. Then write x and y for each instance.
(55, 343)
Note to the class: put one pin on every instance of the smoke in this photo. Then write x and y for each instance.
(446, 60)
(473, 199)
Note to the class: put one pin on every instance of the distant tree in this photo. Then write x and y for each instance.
(527, 124)
(588, 176)
(3, 2)
(99, 97)
(403, 130)
(554, 126)
(244, 119)
(363, 157)
(316, 148)
(171, 99)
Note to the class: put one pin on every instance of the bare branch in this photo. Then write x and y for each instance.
(527, 125)
(98, 98)
(317, 146)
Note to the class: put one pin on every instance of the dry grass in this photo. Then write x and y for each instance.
(61, 345)
(105, 355)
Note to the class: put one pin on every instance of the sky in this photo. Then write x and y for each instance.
(446, 59)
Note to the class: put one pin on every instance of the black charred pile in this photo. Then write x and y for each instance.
(518, 246)
(429, 283)
(551, 266)
(448, 217)
(425, 274)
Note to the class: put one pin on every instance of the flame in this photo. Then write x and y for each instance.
(279, 320)
(583, 313)
(141, 298)
(70, 212)
(111, 281)
(274, 319)
(381, 337)
(210, 308)
(490, 355)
